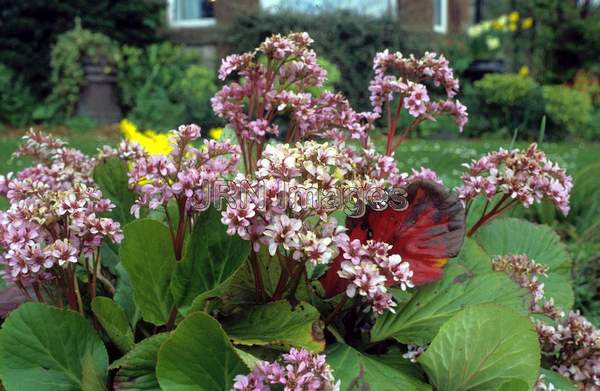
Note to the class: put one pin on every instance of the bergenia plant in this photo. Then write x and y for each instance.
(294, 256)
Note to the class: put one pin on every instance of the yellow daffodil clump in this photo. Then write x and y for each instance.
(152, 142)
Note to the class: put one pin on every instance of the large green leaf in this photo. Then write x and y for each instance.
(110, 176)
(124, 295)
(419, 320)
(483, 347)
(137, 369)
(198, 356)
(114, 321)
(212, 256)
(46, 348)
(514, 236)
(147, 255)
(473, 257)
(358, 371)
(278, 323)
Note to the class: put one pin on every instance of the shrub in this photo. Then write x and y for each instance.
(16, 101)
(30, 28)
(502, 103)
(163, 84)
(66, 60)
(567, 110)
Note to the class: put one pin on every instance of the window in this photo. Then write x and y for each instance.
(440, 16)
(191, 13)
(377, 8)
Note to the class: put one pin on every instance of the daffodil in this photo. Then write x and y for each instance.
(492, 43)
(512, 27)
(524, 71)
(514, 16)
(500, 23)
(152, 142)
(527, 23)
(215, 133)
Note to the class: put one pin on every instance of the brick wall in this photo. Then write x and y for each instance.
(417, 15)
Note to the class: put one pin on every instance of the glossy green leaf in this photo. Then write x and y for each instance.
(198, 356)
(147, 255)
(278, 323)
(358, 371)
(46, 348)
(483, 347)
(110, 175)
(540, 243)
(211, 258)
(137, 369)
(124, 295)
(114, 321)
(473, 257)
(419, 320)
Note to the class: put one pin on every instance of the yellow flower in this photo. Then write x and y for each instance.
(524, 71)
(527, 23)
(153, 143)
(512, 27)
(215, 133)
(492, 43)
(513, 17)
(500, 23)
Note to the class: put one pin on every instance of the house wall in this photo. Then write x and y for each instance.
(417, 15)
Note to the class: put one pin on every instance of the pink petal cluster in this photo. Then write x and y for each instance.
(407, 78)
(187, 175)
(55, 213)
(524, 272)
(370, 271)
(275, 208)
(527, 176)
(573, 348)
(299, 370)
(278, 86)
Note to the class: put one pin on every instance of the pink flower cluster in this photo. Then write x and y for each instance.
(54, 218)
(408, 83)
(274, 209)
(370, 271)
(573, 346)
(278, 86)
(126, 150)
(524, 176)
(186, 175)
(57, 167)
(524, 272)
(299, 371)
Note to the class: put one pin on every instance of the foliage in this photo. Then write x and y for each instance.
(29, 29)
(503, 103)
(72, 49)
(568, 110)
(164, 84)
(16, 101)
(563, 39)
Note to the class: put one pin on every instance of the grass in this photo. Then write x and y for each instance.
(443, 156)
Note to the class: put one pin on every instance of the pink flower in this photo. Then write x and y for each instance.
(283, 231)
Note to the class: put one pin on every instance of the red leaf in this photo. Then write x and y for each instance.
(428, 232)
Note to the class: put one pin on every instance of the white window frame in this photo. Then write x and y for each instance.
(202, 22)
(443, 27)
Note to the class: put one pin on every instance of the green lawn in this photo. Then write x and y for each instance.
(444, 156)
